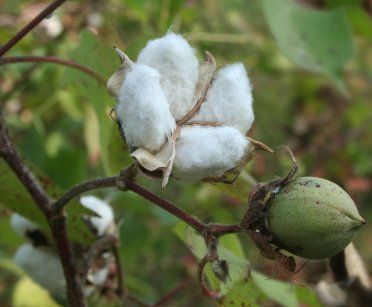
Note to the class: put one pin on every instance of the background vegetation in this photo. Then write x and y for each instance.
(310, 67)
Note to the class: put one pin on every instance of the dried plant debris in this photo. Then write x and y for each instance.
(181, 118)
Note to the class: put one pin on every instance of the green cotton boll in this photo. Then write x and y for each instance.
(313, 218)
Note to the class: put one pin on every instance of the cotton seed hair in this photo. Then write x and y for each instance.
(143, 109)
(229, 99)
(104, 222)
(208, 151)
(43, 266)
(175, 60)
(179, 117)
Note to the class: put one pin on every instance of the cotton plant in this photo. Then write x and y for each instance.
(183, 118)
(39, 259)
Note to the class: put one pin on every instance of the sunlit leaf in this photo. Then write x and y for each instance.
(245, 293)
(317, 40)
(279, 291)
(307, 296)
(29, 294)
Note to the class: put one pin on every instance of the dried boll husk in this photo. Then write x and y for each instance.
(177, 64)
(207, 152)
(313, 218)
(43, 266)
(229, 99)
(103, 223)
(142, 109)
(115, 82)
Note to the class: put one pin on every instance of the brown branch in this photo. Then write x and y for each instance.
(164, 204)
(75, 294)
(51, 59)
(216, 296)
(120, 291)
(81, 188)
(127, 184)
(57, 222)
(170, 295)
(32, 24)
(138, 301)
(25, 176)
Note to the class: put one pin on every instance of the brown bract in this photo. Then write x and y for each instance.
(254, 220)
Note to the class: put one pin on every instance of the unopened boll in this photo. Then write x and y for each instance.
(104, 222)
(21, 225)
(143, 110)
(177, 64)
(203, 152)
(229, 99)
(43, 266)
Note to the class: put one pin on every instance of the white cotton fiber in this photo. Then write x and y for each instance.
(143, 109)
(203, 152)
(178, 66)
(43, 266)
(21, 225)
(229, 99)
(104, 223)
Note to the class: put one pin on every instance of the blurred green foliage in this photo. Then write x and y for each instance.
(310, 66)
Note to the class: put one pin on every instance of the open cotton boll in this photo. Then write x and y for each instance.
(143, 110)
(229, 99)
(43, 266)
(178, 66)
(104, 223)
(203, 152)
(21, 225)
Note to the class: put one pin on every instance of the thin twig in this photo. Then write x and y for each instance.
(112, 182)
(81, 188)
(167, 297)
(32, 24)
(137, 301)
(120, 291)
(205, 289)
(166, 205)
(52, 59)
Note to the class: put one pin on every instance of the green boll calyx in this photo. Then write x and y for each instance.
(313, 218)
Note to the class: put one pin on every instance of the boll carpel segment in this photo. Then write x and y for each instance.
(309, 217)
(313, 218)
(176, 114)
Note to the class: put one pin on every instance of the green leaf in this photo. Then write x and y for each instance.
(29, 294)
(93, 53)
(118, 156)
(279, 291)
(307, 297)
(317, 40)
(15, 197)
(243, 294)
(9, 265)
